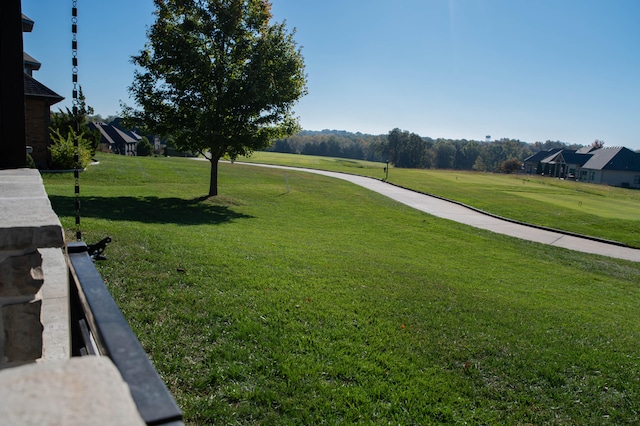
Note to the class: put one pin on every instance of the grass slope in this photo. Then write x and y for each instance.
(331, 304)
(597, 210)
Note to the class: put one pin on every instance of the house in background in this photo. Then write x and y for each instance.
(532, 164)
(563, 164)
(115, 139)
(615, 166)
(38, 101)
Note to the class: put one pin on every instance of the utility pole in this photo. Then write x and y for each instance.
(13, 146)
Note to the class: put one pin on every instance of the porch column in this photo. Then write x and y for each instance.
(13, 145)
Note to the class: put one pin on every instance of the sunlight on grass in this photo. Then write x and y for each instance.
(609, 213)
(620, 209)
(332, 304)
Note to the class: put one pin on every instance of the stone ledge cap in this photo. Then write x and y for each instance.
(77, 391)
(26, 217)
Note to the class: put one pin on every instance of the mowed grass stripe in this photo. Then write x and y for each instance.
(332, 304)
(619, 209)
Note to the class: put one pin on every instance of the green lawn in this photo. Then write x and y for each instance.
(330, 304)
(597, 210)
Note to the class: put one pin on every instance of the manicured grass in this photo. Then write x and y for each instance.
(365, 168)
(597, 210)
(331, 304)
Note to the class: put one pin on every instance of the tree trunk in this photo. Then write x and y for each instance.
(213, 181)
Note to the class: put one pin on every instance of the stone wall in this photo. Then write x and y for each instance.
(54, 389)
(28, 228)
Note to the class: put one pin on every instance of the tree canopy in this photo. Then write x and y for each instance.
(218, 77)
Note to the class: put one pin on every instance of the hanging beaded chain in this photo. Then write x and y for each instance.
(76, 103)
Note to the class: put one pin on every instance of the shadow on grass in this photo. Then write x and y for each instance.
(178, 211)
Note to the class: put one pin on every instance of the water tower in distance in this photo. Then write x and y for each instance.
(488, 138)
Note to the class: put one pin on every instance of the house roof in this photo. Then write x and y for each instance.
(556, 157)
(118, 123)
(27, 24)
(541, 155)
(566, 156)
(33, 88)
(575, 157)
(586, 149)
(119, 134)
(113, 135)
(30, 61)
(103, 133)
(614, 158)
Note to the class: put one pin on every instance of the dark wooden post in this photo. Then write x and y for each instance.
(13, 147)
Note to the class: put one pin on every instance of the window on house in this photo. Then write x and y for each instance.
(592, 175)
(636, 180)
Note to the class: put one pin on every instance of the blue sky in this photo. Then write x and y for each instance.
(538, 70)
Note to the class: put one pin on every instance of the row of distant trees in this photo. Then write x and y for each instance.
(400, 147)
(410, 150)
(333, 143)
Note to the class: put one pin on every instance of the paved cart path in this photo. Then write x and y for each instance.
(456, 212)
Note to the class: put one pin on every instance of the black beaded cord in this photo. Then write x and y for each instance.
(76, 103)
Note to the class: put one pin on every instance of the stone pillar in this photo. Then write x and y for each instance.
(27, 226)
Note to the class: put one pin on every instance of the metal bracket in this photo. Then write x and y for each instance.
(96, 250)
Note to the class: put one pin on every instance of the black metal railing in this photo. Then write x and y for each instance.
(99, 328)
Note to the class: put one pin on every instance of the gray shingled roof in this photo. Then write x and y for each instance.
(27, 24)
(31, 61)
(103, 133)
(575, 157)
(614, 158)
(586, 149)
(114, 135)
(541, 155)
(34, 88)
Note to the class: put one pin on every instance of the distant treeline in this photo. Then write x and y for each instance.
(409, 150)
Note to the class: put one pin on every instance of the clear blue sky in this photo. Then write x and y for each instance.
(538, 70)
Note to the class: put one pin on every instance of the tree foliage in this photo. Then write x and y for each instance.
(63, 150)
(510, 166)
(144, 147)
(219, 77)
(406, 149)
(63, 122)
(333, 143)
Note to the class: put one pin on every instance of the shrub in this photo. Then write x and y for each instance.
(510, 166)
(30, 162)
(144, 147)
(63, 151)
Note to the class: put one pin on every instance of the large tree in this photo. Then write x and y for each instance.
(219, 77)
(406, 149)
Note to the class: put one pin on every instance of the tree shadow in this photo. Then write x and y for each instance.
(178, 211)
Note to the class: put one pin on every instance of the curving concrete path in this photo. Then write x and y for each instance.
(468, 216)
